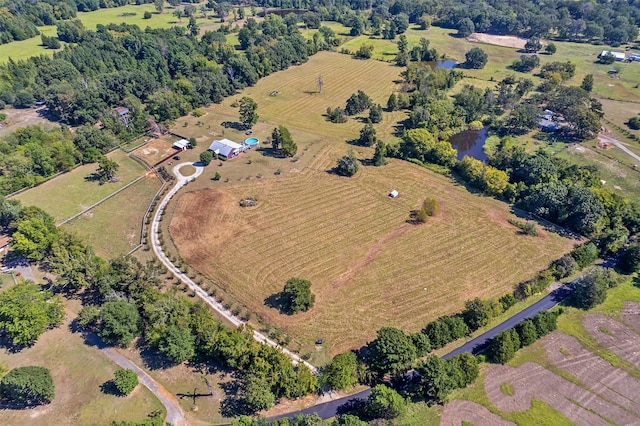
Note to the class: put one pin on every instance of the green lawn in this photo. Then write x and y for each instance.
(115, 15)
(70, 193)
(24, 49)
(113, 227)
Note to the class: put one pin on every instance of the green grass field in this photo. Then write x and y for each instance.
(114, 15)
(78, 373)
(24, 49)
(70, 193)
(113, 227)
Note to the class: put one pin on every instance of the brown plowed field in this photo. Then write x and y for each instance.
(594, 373)
(532, 381)
(613, 335)
(368, 266)
(460, 411)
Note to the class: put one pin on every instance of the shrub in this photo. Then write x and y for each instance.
(147, 15)
(347, 165)
(125, 381)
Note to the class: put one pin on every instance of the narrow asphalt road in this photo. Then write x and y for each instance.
(329, 409)
(619, 144)
(159, 252)
(175, 415)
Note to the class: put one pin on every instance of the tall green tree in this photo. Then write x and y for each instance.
(26, 311)
(342, 372)
(297, 295)
(248, 114)
(107, 169)
(119, 323)
(125, 380)
(392, 351)
(384, 403)
(28, 386)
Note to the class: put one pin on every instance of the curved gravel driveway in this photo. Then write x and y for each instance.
(159, 252)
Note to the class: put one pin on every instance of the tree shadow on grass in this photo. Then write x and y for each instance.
(236, 125)
(152, 358)
(109, 388)
(233, 405)
(279, 302)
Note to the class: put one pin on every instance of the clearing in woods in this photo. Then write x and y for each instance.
(368, 267)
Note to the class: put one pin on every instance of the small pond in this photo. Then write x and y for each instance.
(471, 143)
(447, 64)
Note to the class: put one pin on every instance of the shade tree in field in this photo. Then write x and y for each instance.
(592, 289)
(476, 58)
(248, 112)
(533, 45)
(357, 103)
(125, 380)
(368, 135)
(379, 154)
(107, 169)
(297, 296)
(206, 157)
(347, 165)
(282, 142)
(28, 386)
(27, 311)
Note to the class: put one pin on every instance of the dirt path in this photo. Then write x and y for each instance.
(532, 381)
(160, 254)
(459, 411)
(618, 144)
(175, 415)
(357, 266)
(611, 383)
(498, 40)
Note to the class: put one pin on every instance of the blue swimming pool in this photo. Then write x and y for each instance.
(251, 142)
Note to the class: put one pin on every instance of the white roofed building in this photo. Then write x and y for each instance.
(226, 148)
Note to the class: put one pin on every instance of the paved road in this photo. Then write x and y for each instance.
(175, 415)
(157, 249)
(619, 144)
(329, 409)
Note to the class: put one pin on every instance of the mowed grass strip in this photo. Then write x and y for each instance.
(113, 227)
(78, 373)
(369, 267)
(70, 193)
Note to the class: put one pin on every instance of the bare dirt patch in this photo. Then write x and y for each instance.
(155, 150)
(614, 335)
(594, 373)
(17, 118)
(459, 410)
(532, 381)
(631, 314)
(498, 40)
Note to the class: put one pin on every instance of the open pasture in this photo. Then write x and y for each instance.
(78, 371)
(24, 49)
(70, 193)
(368, 266)
(155, 150)
(113, 228)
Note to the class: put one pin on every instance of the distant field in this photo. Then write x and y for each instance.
(78, 373)
(113, 15)
(70, 193)
(113, 227)
(24, 49)
(368, 266)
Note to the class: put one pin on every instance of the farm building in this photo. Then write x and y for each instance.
(226, 148)
(123, 114)
(619, 56)
(182, 144)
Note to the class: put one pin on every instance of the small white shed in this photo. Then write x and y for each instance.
(182, 144)
(393, 194)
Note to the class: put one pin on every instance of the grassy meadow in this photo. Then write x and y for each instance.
(25, 49)
(70, 193)
(121, 215)
(368, 266)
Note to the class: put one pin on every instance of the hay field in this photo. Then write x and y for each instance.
(70, 193)
(113, 227)
(368, 266)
